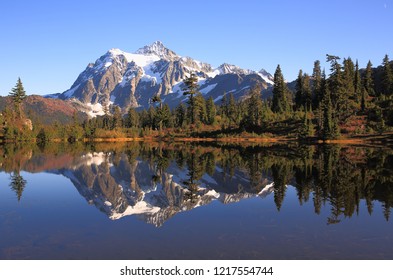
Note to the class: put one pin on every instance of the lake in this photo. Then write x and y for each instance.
(195, 201)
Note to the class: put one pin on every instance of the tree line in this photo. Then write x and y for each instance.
(319, 107)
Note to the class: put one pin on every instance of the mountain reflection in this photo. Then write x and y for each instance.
(155, 181)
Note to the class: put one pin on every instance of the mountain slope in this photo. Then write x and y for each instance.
(132, 79)
(47, 111)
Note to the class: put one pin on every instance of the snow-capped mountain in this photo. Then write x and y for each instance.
(132, 79)
(120, 188)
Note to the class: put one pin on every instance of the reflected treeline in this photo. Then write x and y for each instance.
(341, 178)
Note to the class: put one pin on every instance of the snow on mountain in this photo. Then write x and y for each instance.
(132, 79)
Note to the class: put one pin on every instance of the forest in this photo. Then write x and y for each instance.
(349, 103)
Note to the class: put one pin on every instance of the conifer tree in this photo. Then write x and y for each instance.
(166, 116)
(357, 83)
(191, 89)
(363, 99)
(117, 118)
(17, 184)
(199, 108)
(368, 82)
(299, 91)
(387, 77)
(348, 79)
(281, 103)
(336, 85)
(307, 94)
(180, 115)
(224, 106)
(132, 119)
(106, 118)
(232, 110)
(317, 83)
(18, 94)
(210, 111)
(254, 108)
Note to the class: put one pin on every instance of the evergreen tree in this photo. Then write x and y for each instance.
(307, 94)
(191, 89)
(307, 129)
(200, 114)
(180, 115)
(349, 79)
(387, 77)
(357, 83)
(132, 118)
(363, 99)
(106, 118)
(368, 82)
(299, 91)
(166, 116)
(117, 118)
(255, 108)
(210, 111)
(224, 106)
(17, 184)
(330, 127)
(317, 83)
(18, 94)
(232, 113)
(336, 85)
(327, 117)
(281, 103)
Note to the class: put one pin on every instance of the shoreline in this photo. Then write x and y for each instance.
(361, 140)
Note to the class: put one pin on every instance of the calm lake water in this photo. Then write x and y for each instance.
(188, 201)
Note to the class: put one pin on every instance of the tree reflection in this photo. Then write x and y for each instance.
(337, 178)
(17, 184)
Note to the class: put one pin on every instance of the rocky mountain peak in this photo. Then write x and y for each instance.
(227, 68)
(157, 48)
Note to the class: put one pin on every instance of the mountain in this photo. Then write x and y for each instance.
(46, 111)
(132, 79)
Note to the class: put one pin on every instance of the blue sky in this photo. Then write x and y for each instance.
(48, 43)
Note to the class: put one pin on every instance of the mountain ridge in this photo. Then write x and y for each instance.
(132, 79)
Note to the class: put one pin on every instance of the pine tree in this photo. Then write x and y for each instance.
(307, 94)
(299, 91)
(210, 111)
(166, 116)
(387, 77)
(106, 118)
(281, 103)
(199, 111)
(349, 79)
(368, 82)
(327, 117)
(117, 118)
(255, 108)
(357, 83)
(224, 106)
(132, 118)
(363, 99)
(336, 85)
(330, 127)
(317, 83)
(18, 94)
(191, 88)
(180, 115)
(17, 184)
(232, 110)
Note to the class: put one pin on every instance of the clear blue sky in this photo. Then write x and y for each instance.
(48, 43)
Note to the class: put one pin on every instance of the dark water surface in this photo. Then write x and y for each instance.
(185, 201)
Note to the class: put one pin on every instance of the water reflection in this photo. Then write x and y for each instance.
(154, 181)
